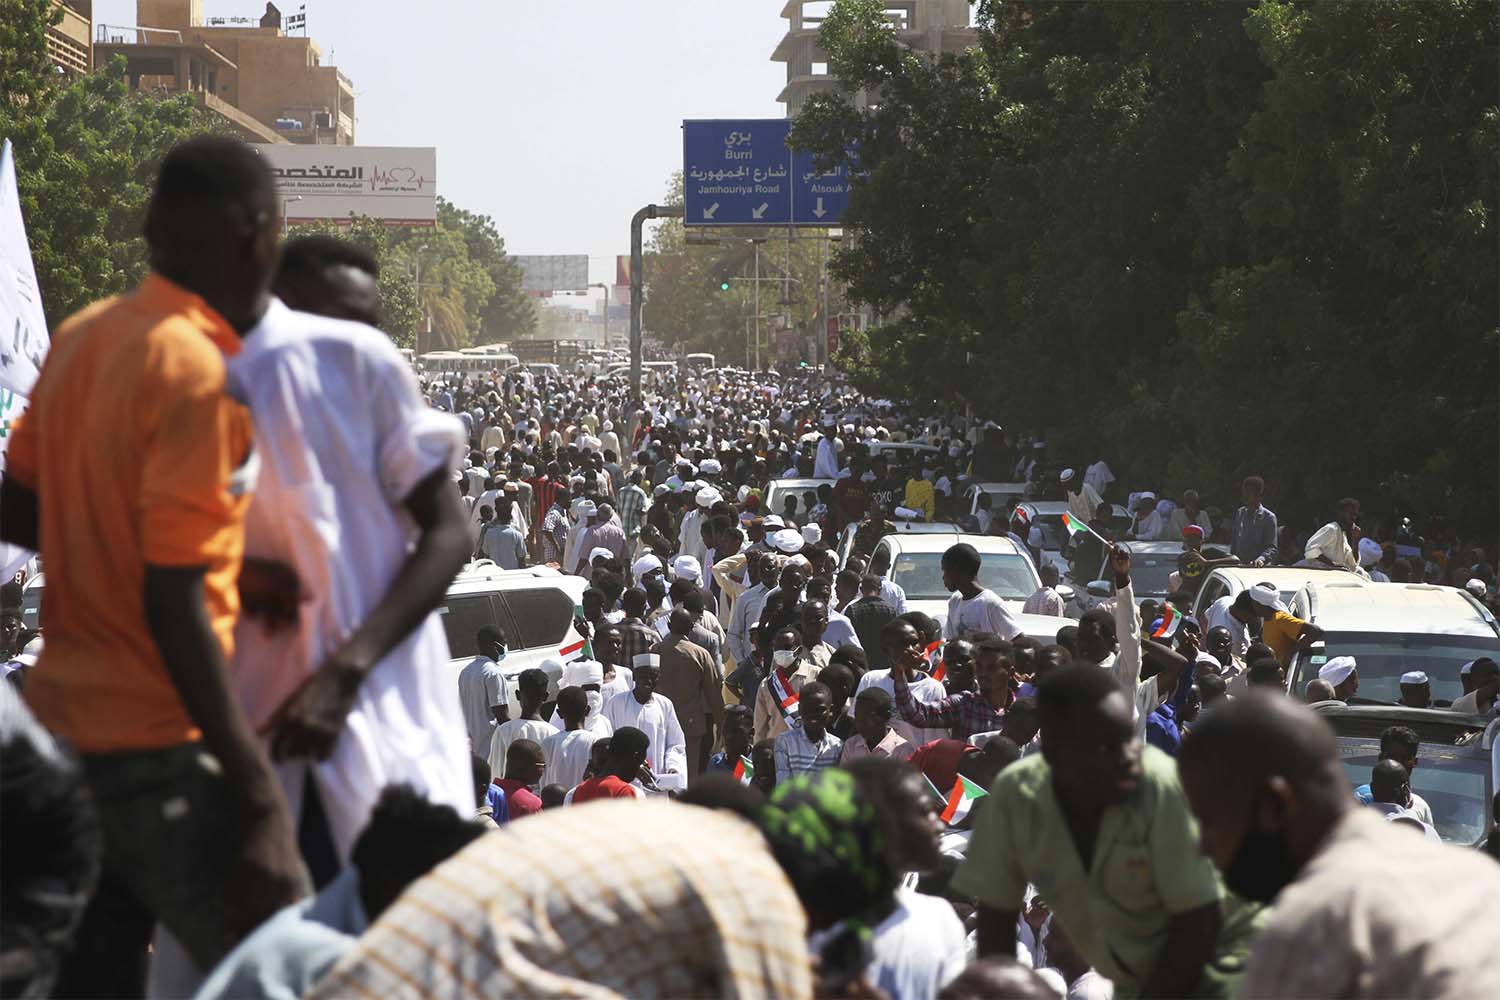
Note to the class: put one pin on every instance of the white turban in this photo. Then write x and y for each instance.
(787, 540)
(644, 565)
(812, 534)
(1337, 670)
(710, 467)
(595, 553)
(581, 672)
(774, 521)
(1369, 552)
(708, 496)
(687, 568)
(1267, 596)
(587, 508)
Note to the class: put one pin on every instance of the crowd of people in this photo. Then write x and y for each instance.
(237, 761)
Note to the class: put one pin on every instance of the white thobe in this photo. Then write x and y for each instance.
(826, 462)
(657, 718)
(508, 732)
(567, 754)
(1331, 543)
(343, 437)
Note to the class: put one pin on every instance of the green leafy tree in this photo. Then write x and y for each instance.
(1195, 237)
(400, 315)
(509, 313)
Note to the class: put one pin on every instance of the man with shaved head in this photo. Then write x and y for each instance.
(1355, 913)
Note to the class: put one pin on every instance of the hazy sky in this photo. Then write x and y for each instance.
(559, 118)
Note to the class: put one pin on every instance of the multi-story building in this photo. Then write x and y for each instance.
(270, 86)
(935, 26)
(69, 41)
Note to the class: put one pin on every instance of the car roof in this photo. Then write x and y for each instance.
(1397, 607)
(1153, 548)
(798, 483)
(941, 541)
(1287, 579)
(1000, 487)
(1040, 625)
(484, 577)
(1432, 725)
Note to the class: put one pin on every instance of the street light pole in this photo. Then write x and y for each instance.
(286, 225)
(756, 245)
(600, 284)
(637, 283)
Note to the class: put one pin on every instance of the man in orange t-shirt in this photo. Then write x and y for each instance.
(141, 584)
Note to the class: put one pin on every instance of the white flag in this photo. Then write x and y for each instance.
(23, 327)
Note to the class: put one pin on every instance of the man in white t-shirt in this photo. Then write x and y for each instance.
(482, 689)
(973, 609)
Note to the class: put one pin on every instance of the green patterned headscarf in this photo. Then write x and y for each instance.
(827, 838)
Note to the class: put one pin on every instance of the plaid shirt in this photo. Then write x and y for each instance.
(965, 713)
(632, 507)
(636, 637)
(555, 536)
(672, 902)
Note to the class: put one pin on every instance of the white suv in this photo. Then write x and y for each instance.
(1390, 628)
(535, 609)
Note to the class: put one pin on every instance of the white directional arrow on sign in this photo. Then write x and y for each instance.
(818, 209)
(756, 213)
(708, 213)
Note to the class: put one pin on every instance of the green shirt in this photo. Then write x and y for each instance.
(1146, 867)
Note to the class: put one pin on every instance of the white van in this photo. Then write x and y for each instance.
(534, 607)
(1389, 629)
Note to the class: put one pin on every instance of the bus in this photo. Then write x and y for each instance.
(464, 362)
(699, 362)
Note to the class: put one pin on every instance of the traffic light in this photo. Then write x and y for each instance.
(723, 284)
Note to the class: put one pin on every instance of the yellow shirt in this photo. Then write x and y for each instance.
(1281, 633)
(920, 496)
(137, 458)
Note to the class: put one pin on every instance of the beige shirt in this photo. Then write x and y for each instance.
(1382, 912)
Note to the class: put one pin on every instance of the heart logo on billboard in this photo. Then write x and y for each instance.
(401, 174)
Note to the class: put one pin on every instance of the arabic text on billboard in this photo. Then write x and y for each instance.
(554, 272)
(396, 184)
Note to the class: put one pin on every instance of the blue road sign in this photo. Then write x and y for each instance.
(818, 197)
(736, 172)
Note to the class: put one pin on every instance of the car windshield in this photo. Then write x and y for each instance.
(920, 575)
(31, 607)
(1383, 657)
(1149, 573)
(1454, 785)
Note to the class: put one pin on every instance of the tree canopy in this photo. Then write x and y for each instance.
(1204, 239)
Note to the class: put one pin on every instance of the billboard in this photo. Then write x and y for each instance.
(395, 184)
(554, 272)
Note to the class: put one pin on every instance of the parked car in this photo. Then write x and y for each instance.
(1151, 567)
(777, 490)
(1391, 628)
(845, 543)
(1458, 760)
(900, 453)
(534, 607)
(1003, 497)
(916, 567)
(1231, 581)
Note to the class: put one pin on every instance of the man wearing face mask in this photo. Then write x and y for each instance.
(482, 688)
(1355, 913)
(791, 667)
(1099, 824)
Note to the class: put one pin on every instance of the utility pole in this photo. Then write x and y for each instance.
(756, 245)
(637, 284)
(600, 284)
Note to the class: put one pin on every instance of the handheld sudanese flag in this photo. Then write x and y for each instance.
(965, 793)
(938, 797)
(1167, 624)
(1074, 525)
(935, 665)
(1022, 513)
(744, 771)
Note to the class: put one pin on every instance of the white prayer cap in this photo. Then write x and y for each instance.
(800, 560)
(673, 483)
(742, 494)
(774, 521)
(646, 660)
(644, 565)
(1267, 596)
(598, 551)
(552, 665)
(1066, 476)
(659, 489)
(587, 508)
(1474, 586)
(1414, 677)
(687, 568)
(828, 420)
(812, 534)
(710, 467)
(1466, 669)
(1337, 670)
(1369, 552)
(581, 672)
(787, 540)
(609, 425)
(1209, 659)
(708, 496)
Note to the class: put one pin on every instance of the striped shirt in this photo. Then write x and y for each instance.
(796, 754)
(675, 901)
